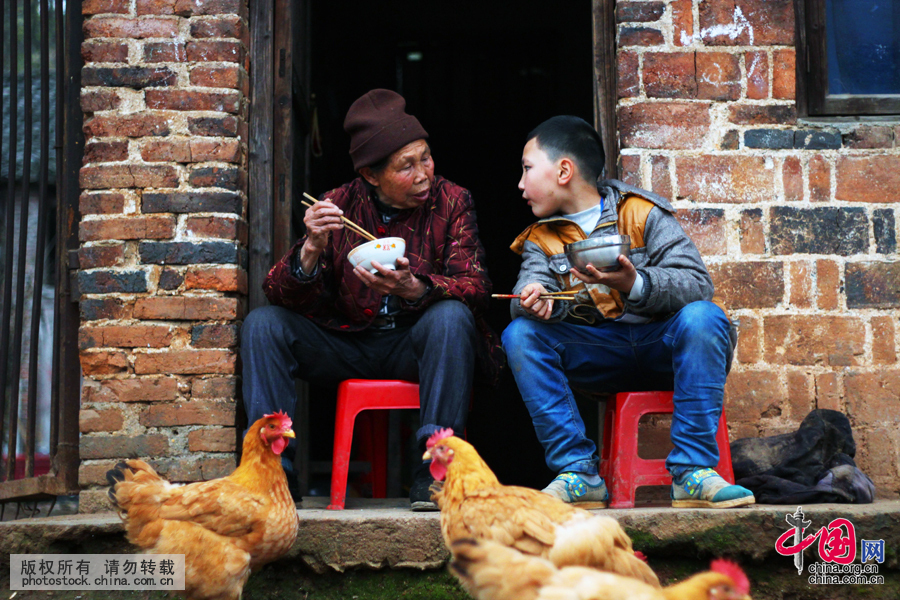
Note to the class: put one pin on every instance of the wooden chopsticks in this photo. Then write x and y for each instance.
(350, 224)
(547, 296)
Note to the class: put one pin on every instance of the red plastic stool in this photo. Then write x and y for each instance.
(354, 396)
(620, 465)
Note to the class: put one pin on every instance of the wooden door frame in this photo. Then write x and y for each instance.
(605, 80)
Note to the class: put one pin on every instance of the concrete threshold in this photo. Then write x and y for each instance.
(377, 534)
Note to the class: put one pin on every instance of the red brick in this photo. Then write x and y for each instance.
(762, 114)
(757, 65)
(749, 340)
(640, 36)
(214, 336)
(802, 291)
(133, 125)
(125, 336)
(828, 280)
(96, 100)
(883, 341)
(868, 178)
(628, 81)
(215, 150)
(229, 228)
(828, 392)
(819, 179)
(226, 26)
(630, 169)
(815, 340)
(125, 176)
(222, 279)
(186, 362)
(792, 179)
(749, 284)
(664, 125)
(784, 76)
(868, 137)
(670, 74)
(127, 228)
(747, 22)
(718, 76)
(195, 412)
(706, 228)
(217, 51)
(133, 389)
(105, 152)
(103, 362)
(94, 473)
(92, 257)
(224, 126)
(753, 395)
(203, 469)
(91, 420)
(104, 52)
(873, 397)
(227, 76)
(214, 387)
(166, 150)
(212, 440)
(660, 176)
(122, 446)
(96, 7)
(728, 178)
(97, 203)
(682, 22)
(801, 397)
(187, 8)
(157, 52)
(192, 100)
(188, 308)
(876, 455)
(752, 232)
(119, 27)
(230, 178)
(96, 309)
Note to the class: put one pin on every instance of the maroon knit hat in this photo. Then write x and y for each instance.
(379, 126)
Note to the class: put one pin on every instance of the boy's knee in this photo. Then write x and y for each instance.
(705, 320)
(517, 332)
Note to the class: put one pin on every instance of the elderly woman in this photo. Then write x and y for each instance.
(421, 322)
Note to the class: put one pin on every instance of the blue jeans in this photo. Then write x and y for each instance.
(438, 352)
(691, 350)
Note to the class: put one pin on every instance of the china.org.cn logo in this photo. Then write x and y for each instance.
(837, 551)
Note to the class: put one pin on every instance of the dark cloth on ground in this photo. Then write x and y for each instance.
(812, 465)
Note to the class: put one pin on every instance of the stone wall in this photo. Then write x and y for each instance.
(797, 219)
(163, 256)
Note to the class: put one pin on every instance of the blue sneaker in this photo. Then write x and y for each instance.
(572, 489)
(704, 488)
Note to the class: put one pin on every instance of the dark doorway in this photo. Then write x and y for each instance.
(479, 76)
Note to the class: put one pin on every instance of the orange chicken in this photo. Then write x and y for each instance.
(474, 504)
(225, 527)
(491, 571)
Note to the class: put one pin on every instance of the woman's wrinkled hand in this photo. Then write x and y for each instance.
(400, 282)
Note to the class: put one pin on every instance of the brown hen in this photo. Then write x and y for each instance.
(490, 571)
(474, 504)
(225, 527)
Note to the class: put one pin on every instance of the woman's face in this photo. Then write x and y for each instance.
(406, 180)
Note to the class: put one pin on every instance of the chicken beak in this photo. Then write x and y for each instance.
(427, 455)
(289, 434)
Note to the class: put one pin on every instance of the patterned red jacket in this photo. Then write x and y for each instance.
(442, 246)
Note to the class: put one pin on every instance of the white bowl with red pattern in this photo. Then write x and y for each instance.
(384, 251)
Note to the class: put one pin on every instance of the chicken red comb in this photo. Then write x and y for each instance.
(726, 567)
(281, 415)
(640, 555)
(438, 436)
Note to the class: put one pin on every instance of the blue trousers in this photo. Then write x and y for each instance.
(691, 351)
(438, 352)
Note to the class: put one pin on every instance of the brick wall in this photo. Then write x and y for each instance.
(163, 235)
(797, 221)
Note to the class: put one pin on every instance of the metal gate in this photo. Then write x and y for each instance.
(40, 152)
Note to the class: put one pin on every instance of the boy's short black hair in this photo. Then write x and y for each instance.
(574, 137)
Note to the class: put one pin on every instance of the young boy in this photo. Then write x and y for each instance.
(646, 326)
